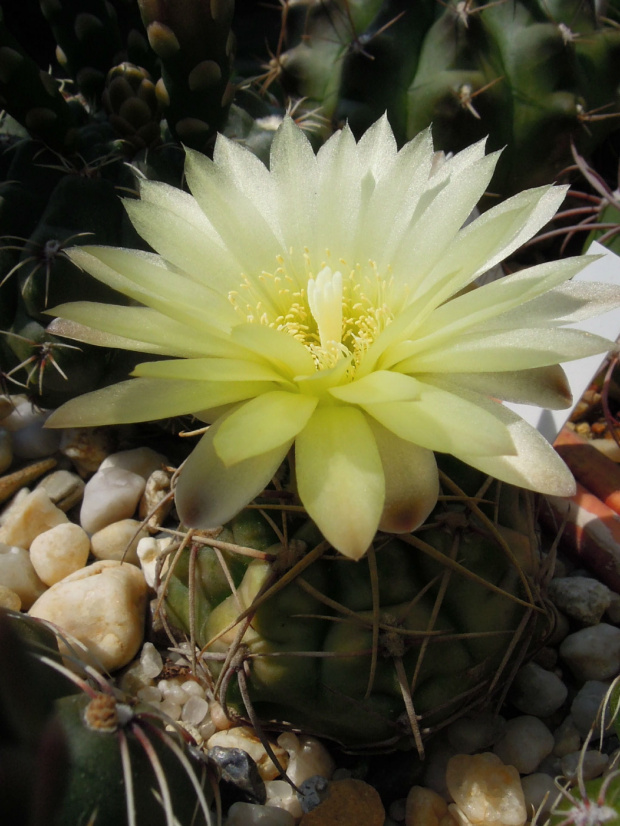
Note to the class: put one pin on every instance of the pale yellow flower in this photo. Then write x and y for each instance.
(319, 305)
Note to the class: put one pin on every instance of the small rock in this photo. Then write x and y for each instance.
(485, 790)
(537, 691)
(526, 742)
(9, 599)
(540, 794)
(425, 807)
(156, 501)
(109, 496)
(29, 437)
(35, 515)
(593, 653)
(86, 447)
(239, 774)
(59, 552)
(307, 757)
(64, 488)
(475, 732)
(282, 795)
(13, 506)
(103, 606)
(566, 737)
(6, 450)
(18, 574)
(582, 598)
(587, 765)
(149, 551)
(586, 706)
(251, 814)
(119, 541)
(243, 737)
(348, 802)
(613, 612)
(141, 460)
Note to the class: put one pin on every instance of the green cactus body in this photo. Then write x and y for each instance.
(336, 649)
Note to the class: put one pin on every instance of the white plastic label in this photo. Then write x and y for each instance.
(581, 372)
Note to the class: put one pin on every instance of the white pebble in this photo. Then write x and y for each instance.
(175, 693)
(485, 790)
(151, 661)
(140, 460)
(149, 694)
(585, 707)
(103, 606)
(35, 514)
(156, 502)
(119, 541)
(172, 709)
(193, 688)
(537, 691)
(307, 757)
(59, 552)
(195, 710)
(149, 551)
(251, 814)
(587, 765)
(109, 496)
(207, 729)
(281, 794)
(593, 653)
(18, 574)
(526, 742)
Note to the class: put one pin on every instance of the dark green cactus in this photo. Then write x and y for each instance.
(334, 646)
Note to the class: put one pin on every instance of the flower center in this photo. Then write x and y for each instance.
(336, 313)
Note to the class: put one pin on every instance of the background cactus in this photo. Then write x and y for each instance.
(72, 756)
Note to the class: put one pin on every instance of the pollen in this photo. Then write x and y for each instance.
(336, 311)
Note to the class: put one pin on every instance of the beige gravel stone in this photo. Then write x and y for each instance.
(18, 574)
(35, 515)
(9, 599)
(59, 552)
(119, 541)
(485, 790)
(103, 606)
(64, 488)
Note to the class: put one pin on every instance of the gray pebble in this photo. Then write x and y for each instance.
(475, 732)
(582, 598)
(585, 707)
(593, 653)
(588, 765)
(526, 742)
(567, 737)
(537, 691)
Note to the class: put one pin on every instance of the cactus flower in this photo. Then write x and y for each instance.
(321, 306)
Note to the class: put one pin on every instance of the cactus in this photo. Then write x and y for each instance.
(531, 74)
(75, 751)
(377, 653)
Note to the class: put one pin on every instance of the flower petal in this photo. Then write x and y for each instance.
(505, 350)
(340, 477)
(533, 464)
(543, 386)
(337, 217)
(287, 354)
(411, 481)
(147, 399)
(444, 421)
(261, 424)
(101, 324)
(380, 386)
(209, 494)
(208, 369)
